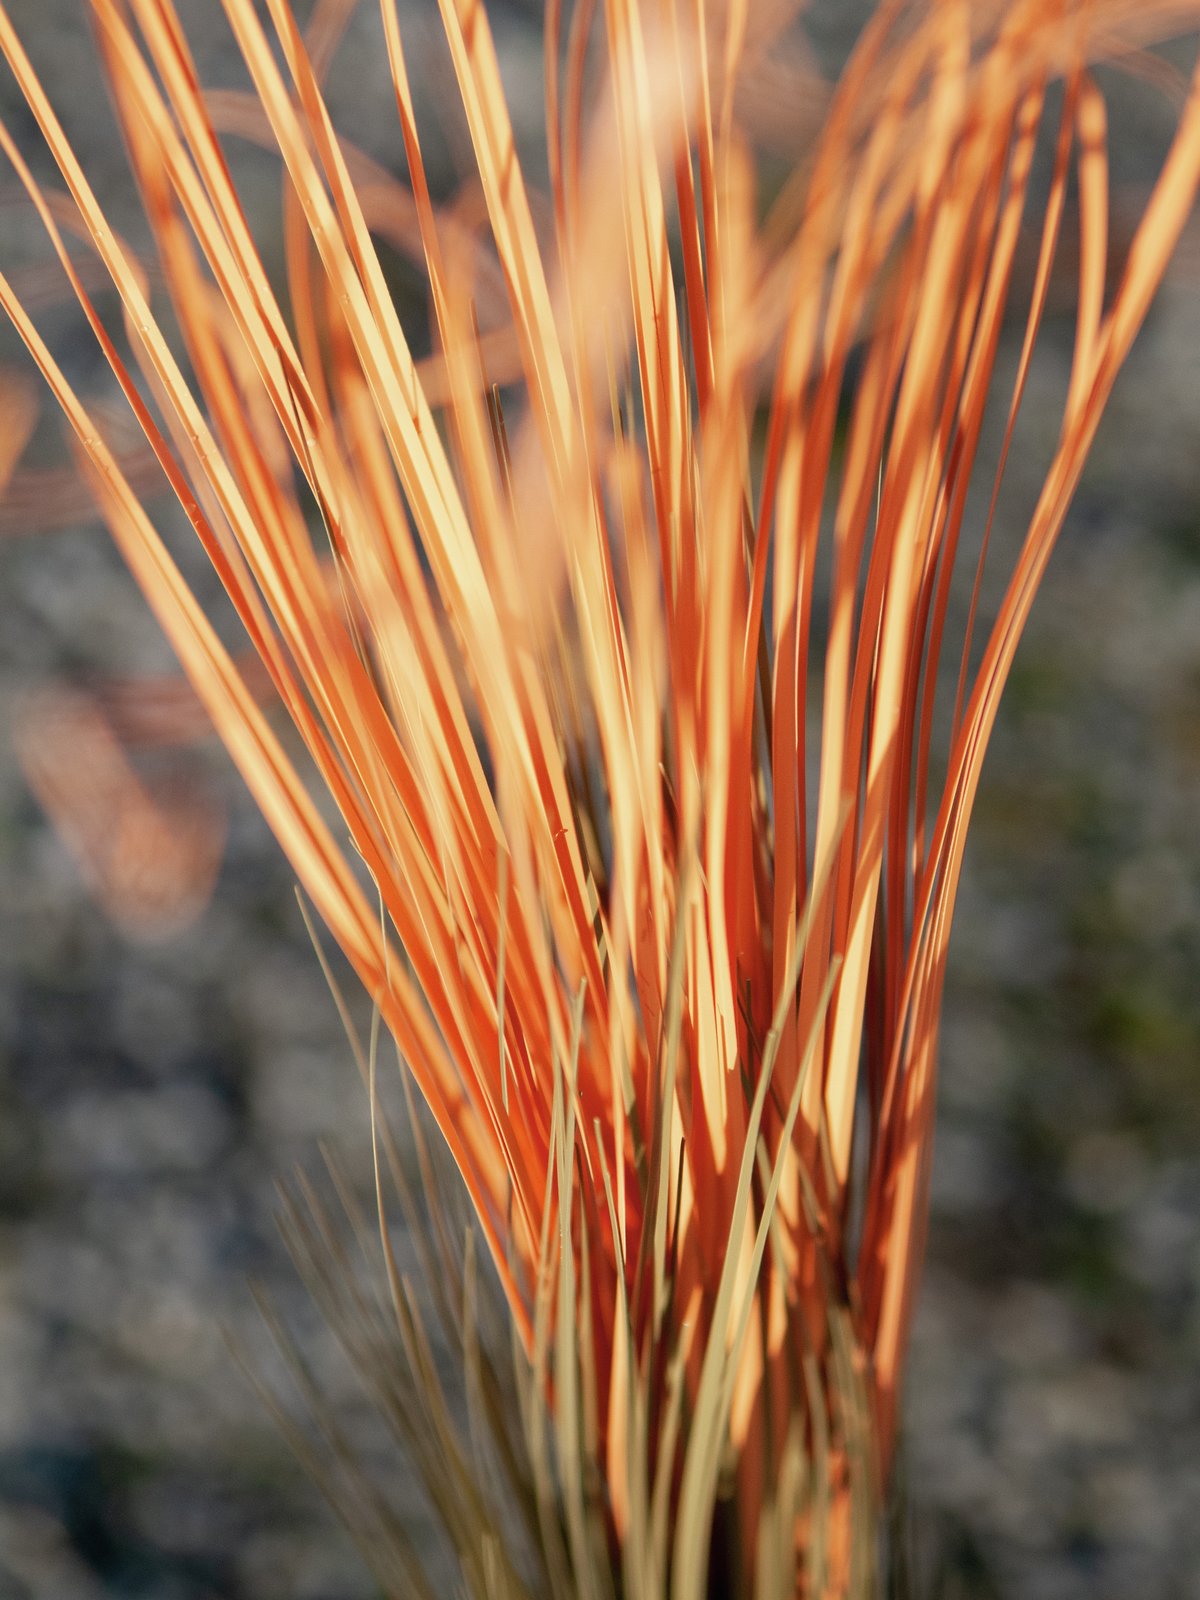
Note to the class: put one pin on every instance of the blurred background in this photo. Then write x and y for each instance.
(153, 1090)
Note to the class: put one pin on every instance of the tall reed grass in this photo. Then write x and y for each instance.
(623, 632)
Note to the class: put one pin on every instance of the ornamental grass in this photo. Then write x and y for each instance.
(621, 674)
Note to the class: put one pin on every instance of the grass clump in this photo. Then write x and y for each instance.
(622, 632)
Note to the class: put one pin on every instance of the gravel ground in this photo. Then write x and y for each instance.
(151, 1094)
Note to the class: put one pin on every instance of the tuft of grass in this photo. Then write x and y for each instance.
(618, 632)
